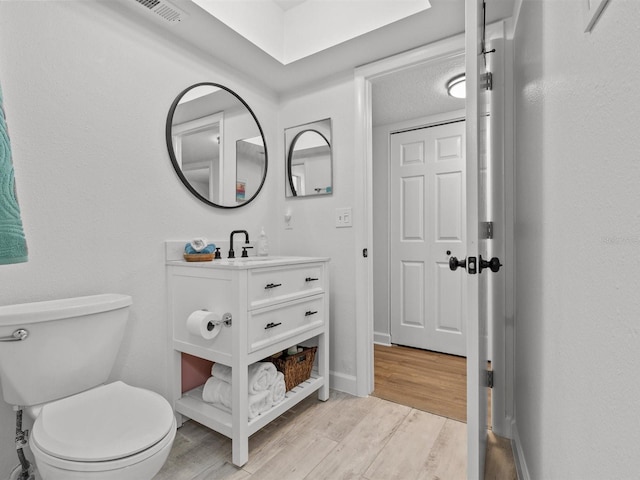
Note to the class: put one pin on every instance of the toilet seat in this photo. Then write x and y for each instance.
(153, 457)
(114, 424)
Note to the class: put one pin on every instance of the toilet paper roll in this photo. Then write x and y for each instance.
(204, 324)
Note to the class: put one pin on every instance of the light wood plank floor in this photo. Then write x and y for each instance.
(429, 381)
(344, 438)
(436, 383)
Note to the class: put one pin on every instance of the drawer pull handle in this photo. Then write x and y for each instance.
(271, 325)
(309, 279)
(272, 285)
(308, 313)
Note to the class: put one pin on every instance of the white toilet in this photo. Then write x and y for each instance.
(84, 429)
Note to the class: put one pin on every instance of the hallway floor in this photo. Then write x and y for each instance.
(429, 381)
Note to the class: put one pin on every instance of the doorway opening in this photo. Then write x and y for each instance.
(502, 228)
(419, 196)
(376, 198)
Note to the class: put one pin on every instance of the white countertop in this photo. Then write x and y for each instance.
(248, 262)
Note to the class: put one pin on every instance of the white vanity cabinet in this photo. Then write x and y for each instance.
(274, 303)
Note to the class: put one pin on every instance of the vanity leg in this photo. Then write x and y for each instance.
(240, 448)
(323, 366)
(176, 384)
(240, 414)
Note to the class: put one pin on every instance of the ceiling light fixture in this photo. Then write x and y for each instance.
(457, 86)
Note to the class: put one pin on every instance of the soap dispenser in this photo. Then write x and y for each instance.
(263, 244)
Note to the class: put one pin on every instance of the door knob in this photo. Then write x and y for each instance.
(493, 264)
(468, 264)
(454, 263)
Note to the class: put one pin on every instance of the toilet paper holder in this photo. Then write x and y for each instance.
(226, 319)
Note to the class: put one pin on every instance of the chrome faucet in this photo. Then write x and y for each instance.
(232, 254)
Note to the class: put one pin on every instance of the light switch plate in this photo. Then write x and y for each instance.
(344, 217)
(288, 220)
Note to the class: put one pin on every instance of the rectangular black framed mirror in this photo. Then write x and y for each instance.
(309, 159)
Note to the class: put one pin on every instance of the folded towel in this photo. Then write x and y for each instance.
(277, 390)
(190, 250)
(261, 375)
(13, 246)
(218, 392)
(198, 244)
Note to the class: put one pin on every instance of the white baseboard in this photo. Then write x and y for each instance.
(518, 454)
(502, 426)
(382, 339)
(343, 383)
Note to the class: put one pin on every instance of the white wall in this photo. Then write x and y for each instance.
(380, 179)
(578, 241)
(86, 98)
(313, 218)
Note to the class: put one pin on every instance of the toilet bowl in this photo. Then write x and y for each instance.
(55, 359)
(114, 431)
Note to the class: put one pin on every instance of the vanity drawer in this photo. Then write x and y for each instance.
(274, 285)
(272, 324)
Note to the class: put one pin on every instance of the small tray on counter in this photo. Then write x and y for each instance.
(198, 257)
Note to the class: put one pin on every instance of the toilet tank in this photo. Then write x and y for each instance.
(71, 346)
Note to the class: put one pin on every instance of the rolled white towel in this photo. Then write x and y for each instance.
(218, 392)
(261, 375)
(223, 372)
(259, 403)
(277, 390)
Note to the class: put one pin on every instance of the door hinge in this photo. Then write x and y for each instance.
(489, 378)
(486, 81)
(486, 230)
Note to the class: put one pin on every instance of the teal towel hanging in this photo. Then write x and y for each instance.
(13, 245)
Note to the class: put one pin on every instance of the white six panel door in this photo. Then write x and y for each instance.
(428, 219)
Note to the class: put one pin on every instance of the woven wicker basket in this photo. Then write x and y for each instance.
(296, 367)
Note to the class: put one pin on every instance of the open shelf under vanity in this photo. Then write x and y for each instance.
(191, 405)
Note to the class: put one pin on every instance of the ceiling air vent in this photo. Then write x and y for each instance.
(164, 9)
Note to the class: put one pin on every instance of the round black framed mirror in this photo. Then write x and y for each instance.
(216, 145)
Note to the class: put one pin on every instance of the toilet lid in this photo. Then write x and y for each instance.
(105, 423)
